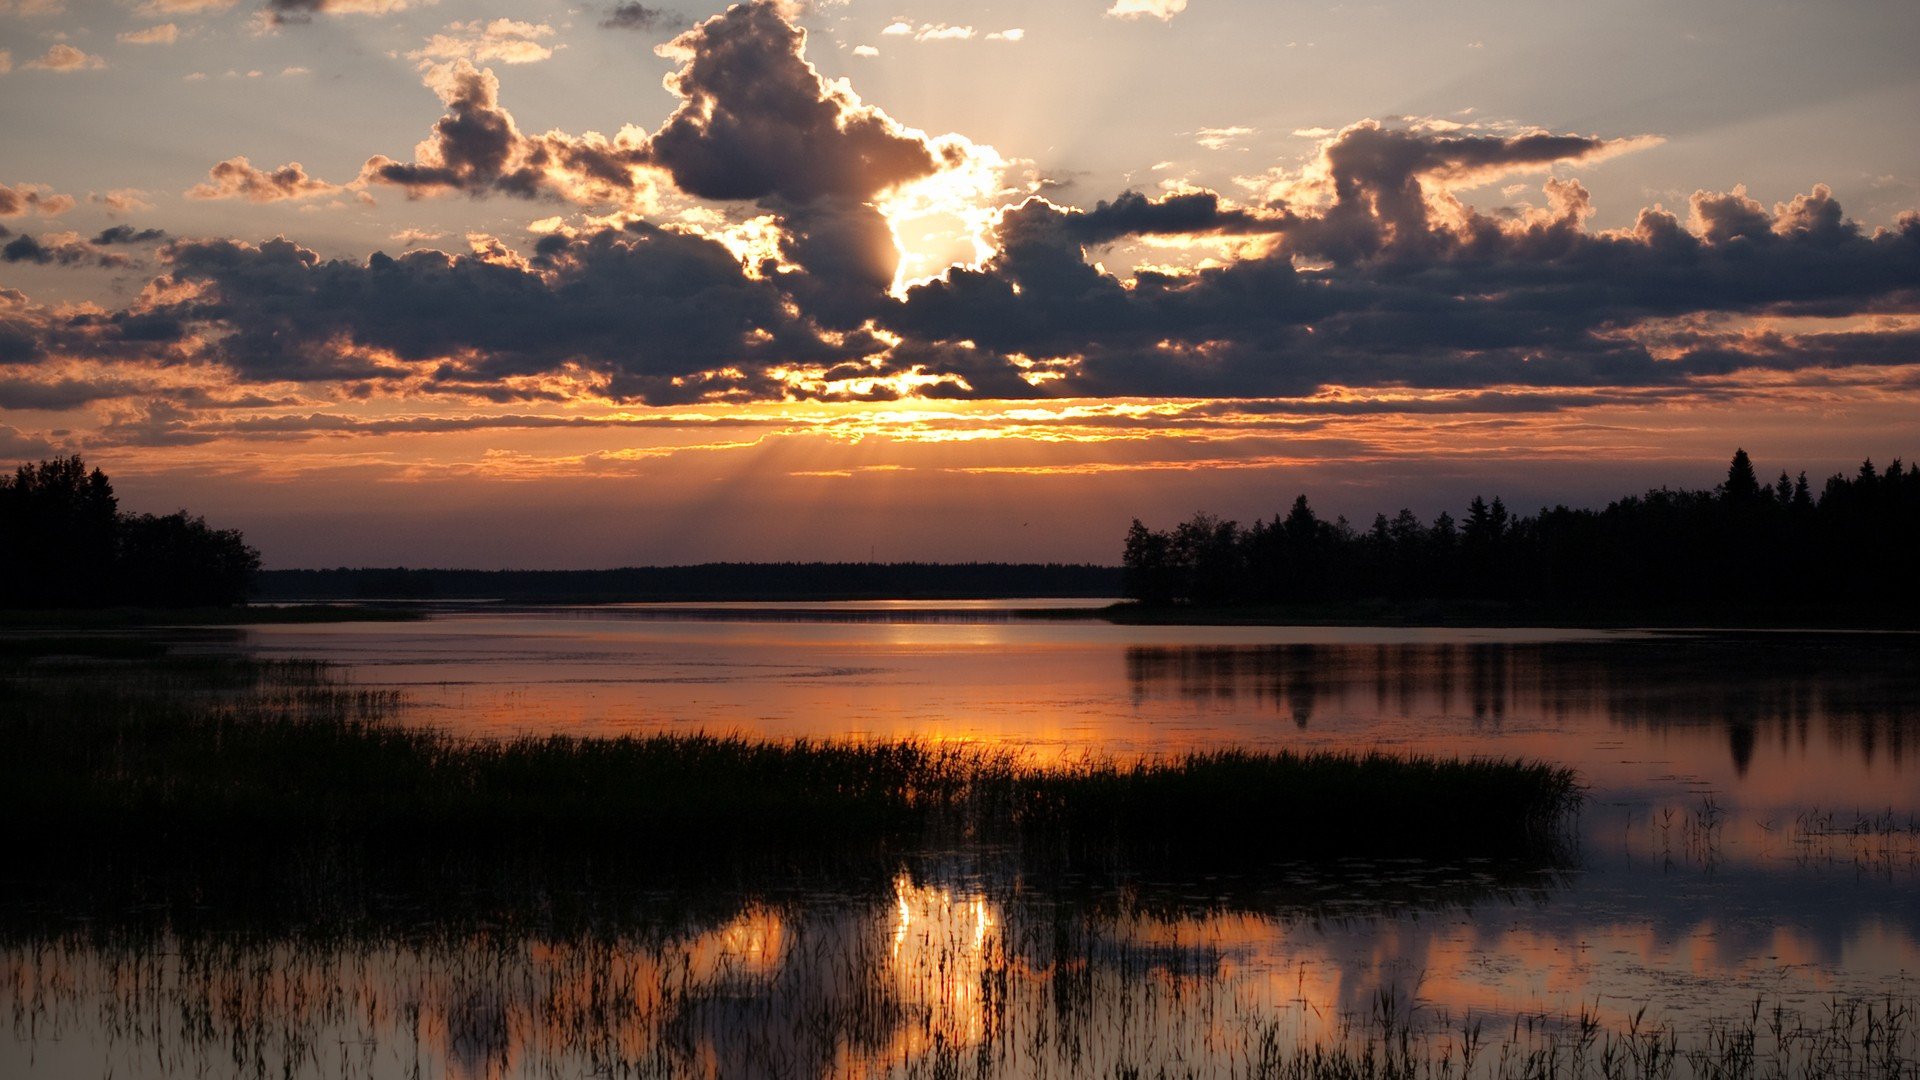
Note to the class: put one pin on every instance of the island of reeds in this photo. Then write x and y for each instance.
(129, 771)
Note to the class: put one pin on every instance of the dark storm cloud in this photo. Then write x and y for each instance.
(127, 234)
(298, 12)
(1415, 289)
(638, 17)
(1365, 269)
(474, 148)
(1380, 179)
(63, 249)
(1134, 214)
(757, 121)
(655, 313)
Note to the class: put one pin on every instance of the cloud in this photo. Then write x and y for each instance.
(65, 58)
(121, 200)
(756, 123)
(163, 34)
(1457, 301)
(22, 199)
(649, 314)
(945, 32)
(1372, 183)
(301, 11)
(507, 40)
(477, 148)
(6, 61)
(236, 178)
(32, 9)
(1164, 10)
(62, 249)
(156, 9)
(1221, 137)
(756, 120)
(928, 31)
(1366, 265)
(638, 17)
(127, 234)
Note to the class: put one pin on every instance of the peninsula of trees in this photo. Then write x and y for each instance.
(65, 543)
(1745, 549)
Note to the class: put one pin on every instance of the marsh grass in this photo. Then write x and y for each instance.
(153, 777)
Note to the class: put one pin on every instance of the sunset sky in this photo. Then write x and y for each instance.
(546, 285)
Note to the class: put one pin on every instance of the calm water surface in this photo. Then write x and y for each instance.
(1749, 835)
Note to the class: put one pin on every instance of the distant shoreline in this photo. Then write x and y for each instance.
(828, 609)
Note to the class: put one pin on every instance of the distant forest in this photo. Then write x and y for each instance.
(1745, 546)
(711, 582)
(65, 543)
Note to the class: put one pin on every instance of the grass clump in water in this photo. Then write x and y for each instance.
(274, 775)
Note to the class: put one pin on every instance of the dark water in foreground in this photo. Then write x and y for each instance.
(1750, 834)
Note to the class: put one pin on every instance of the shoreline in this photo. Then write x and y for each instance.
(831, 609)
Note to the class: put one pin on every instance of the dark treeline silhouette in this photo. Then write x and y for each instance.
(707, 582)
(65, 543)
(1744, 547)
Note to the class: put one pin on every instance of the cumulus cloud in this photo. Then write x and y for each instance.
(22, 199)
(1368, 264)
(756, 123)
(477, 148)
(236, 178)
(757, 120)
(650, 314)
(6, 61)
(65, 58)
(163, 34)
(1164, 10)
(1464, 299)
(509, 41)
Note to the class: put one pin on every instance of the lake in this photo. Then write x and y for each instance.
(1751, 834)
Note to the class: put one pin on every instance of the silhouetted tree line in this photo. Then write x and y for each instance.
(705, 582)
(64, 542)
(1746, 545)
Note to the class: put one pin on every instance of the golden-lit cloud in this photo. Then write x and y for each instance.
(65, 59)
(1164, 10)
(509, 41)
(237, 178)
(22, 199)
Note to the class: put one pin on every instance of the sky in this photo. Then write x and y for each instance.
(539, 285)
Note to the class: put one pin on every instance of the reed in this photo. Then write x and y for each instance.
(276, 775)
